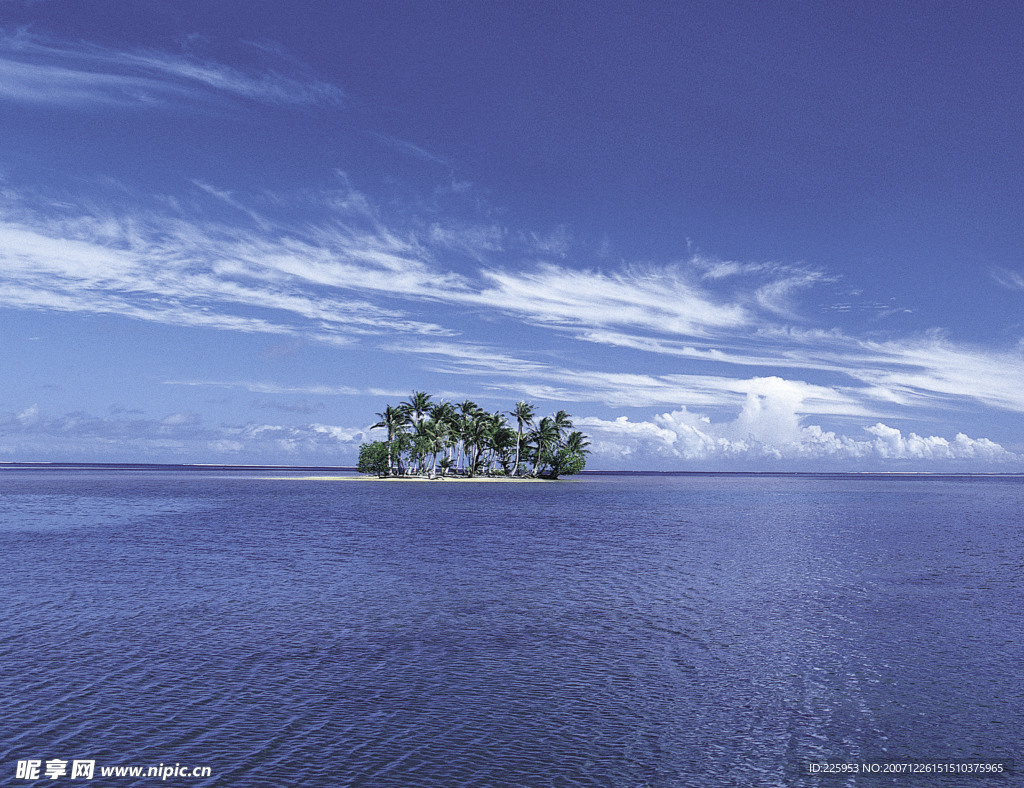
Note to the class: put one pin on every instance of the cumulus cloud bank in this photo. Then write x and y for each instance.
(177, 437)
(770, 428)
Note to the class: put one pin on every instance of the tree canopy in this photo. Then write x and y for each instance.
(428, 437)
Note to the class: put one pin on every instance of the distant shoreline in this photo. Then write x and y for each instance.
(370, 478)
(321, 470)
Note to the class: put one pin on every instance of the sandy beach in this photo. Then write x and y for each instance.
(455, 479)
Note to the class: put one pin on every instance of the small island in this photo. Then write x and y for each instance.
(438, 440)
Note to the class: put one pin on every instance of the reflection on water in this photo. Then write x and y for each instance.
(712, 631)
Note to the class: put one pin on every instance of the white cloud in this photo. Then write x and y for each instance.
(778, 295)
(937, 371)
(29, 416)
(29, 82)
(1005, 277)
(343, 435)
(627, 389)
(261, 387)
(773, 435)
(181, 420)
(177, 437)
(347, 276)
(171, 271)
(475, 241)
(39, 71)
(225, 446)
(412, 150)
(660, 300)
(890, 443)
(771, 426)
(331, 275)
(916, 372)
(556, 243)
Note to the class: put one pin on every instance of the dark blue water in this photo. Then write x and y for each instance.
(704, 631)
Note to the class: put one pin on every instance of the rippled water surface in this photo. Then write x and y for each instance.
(640, 631)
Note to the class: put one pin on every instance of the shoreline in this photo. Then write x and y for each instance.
(369, 478)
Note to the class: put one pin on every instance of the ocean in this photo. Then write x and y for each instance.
(226, 628)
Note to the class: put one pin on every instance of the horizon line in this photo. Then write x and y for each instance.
(199, 466)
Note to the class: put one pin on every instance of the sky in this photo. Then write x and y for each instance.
(751, 236)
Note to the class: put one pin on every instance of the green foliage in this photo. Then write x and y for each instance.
(425, 437)
(373, 458)
(567, 461)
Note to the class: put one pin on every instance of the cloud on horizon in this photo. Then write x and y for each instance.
(175, 437)
(778, 435)
(764, 431)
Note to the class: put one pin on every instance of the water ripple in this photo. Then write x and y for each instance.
(701, 631)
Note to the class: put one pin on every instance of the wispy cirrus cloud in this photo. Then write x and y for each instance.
(409, 149)
(330, 279)
(631, 389)
(37, 70)
(779, 295)
(264, 387)
(660, 300)
(939, 371)
(190, 273)
(1005, 277)
(350, 276)
(929, 371)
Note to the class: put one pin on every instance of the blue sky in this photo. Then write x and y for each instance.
(746, 236)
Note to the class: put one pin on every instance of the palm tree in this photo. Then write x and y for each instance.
(497, 436)
(429, 440)
(562, 422)
(442, 411)
(577, 442)
(569, 455)
(419, 430)
(418, 405)
(476, 437)
(394, 420)
(403, 446)
(466, 410)
(523, 414)
(544, 438)
(445, 415)
(503, 440)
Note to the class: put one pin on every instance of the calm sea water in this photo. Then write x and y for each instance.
(682, 631)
